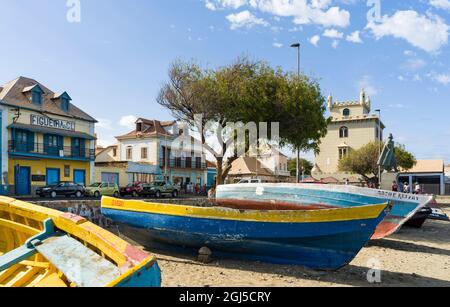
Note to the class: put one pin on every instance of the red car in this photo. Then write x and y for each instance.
(132, 189)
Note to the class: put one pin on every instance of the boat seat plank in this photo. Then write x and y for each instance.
(28, 249)
(78, 263)
(16, 256)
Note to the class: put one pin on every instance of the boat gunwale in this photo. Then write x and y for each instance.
(125, 256)
(422, 199)
(262, 216)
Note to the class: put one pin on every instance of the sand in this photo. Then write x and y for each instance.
(412, 257)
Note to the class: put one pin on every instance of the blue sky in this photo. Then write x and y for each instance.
(114, 60)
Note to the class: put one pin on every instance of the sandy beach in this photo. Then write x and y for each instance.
(412, 257)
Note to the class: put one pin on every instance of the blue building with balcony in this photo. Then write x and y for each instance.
(44, 138)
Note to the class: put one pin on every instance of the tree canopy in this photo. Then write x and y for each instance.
(306, 166)
(364, 161)
(246, 91)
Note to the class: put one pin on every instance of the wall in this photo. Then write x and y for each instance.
(122, 171)
(360, 134)
(39, 167)
(137, 145)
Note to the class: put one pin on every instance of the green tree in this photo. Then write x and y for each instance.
(364, 161)
(305, 165)
(245, 91)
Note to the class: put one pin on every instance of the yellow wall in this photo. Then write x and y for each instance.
(122, 171)
(39, 167)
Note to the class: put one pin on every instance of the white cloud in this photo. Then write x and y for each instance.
(428, 32)
(303, 12)
(441, 4)
(415, 64)
(366, 83)
(441, 78)
(245, 19)
(315, 40)
(104, 124)
(214, 5)
(278, 45)
(409, 53)
(333, 33)
(335, 44)
(354, 38)
(128, 121)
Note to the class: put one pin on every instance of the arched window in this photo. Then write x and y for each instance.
(346, 112)
(343, 132)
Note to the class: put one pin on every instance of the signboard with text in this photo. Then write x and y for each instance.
(43, 121)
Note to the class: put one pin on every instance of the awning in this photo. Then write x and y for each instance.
(46, 130)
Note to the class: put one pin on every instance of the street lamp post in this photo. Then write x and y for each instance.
(297, 45)
(380, 149)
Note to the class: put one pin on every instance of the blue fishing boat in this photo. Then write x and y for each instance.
(321, 239)
(313, 196)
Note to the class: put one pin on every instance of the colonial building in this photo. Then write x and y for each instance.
(269, 166)
(352, 127)
(44, 138)
(154, 149)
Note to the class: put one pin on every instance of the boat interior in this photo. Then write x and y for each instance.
(36, 252)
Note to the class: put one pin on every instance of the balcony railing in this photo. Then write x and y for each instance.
(182, 163)
(39, 149)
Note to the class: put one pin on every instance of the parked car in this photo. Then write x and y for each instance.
(159, 189)
(103, 189)
(133, 189)
(243, 181)
(62, 189)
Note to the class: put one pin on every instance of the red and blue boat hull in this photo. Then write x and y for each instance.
(328, 244)
(310, 197)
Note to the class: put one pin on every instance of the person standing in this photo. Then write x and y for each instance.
(418, 189)
(394, 186)
(406, 189)
(400, 187)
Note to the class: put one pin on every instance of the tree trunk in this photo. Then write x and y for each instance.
(219, 179)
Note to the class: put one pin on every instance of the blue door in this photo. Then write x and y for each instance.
(23, 180)
(79, 177)
(53, 176)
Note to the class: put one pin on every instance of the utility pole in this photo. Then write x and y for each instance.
(298, 173)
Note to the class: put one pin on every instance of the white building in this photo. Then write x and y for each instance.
(154, 148)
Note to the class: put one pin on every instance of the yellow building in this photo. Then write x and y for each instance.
(44, 138)
(353, 126)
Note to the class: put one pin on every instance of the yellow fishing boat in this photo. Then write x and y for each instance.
(41, 247)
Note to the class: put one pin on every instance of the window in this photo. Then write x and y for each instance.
(36, 96)
(343, 152)
(346, 112)
(129, 153)
(53, 141)
(198, 162)
(114, 152)
(139, 127)
(65, 104)
(343, 132)
(144, 153)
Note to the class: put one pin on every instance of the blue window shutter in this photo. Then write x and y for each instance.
(30, 141)
(46, 142)
(60, 142)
